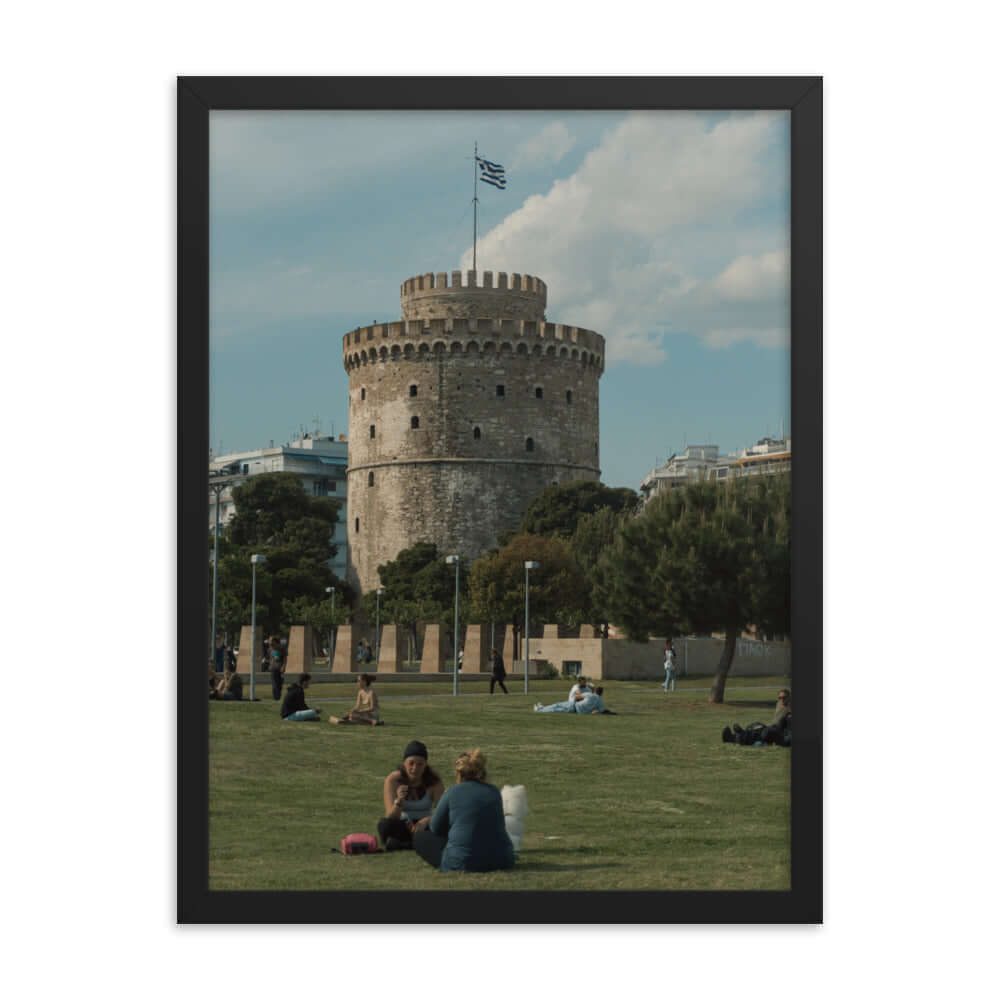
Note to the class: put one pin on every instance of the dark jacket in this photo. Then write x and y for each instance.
(295, 701)
(498, 667)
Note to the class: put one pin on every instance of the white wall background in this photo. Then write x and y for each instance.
(911, 222)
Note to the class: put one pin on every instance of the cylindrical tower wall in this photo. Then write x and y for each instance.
(440, 421)
(502, 296)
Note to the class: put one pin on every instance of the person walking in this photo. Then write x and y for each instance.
(497, 671)
(668, 666)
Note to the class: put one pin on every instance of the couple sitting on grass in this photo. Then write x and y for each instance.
(365, 710)
(458, 830)
(228, 687)
(778, 731)
(583, 699)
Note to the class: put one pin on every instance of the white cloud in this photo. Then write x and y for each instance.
(721, 339)
(660, 230)
(754, 278)
(544, 149)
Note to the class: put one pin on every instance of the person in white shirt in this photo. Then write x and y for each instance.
(581, 686)
(668, 666)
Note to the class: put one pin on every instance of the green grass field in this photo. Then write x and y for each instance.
(650, 798)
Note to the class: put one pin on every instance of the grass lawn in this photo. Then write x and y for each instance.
(650, 798)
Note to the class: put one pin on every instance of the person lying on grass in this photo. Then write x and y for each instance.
(779, 730)
(365, 711)
(583, 703)
(294, 707)
(409, 793)
(467, 832)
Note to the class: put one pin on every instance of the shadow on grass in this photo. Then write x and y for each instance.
(760, 703)
(524, 864)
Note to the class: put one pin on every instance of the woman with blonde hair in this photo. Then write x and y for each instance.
(466, 833)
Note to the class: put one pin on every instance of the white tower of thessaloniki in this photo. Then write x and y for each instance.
(460, 414)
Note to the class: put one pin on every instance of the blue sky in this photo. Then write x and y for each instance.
(667, 232)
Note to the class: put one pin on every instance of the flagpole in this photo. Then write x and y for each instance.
(475, 199)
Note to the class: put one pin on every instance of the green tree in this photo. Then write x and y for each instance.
(557, 509)
(709, 557)
(559, 590)
(594, 534)
(276, 518)
(419, 587)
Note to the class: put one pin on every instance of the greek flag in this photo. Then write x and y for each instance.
(491, 173)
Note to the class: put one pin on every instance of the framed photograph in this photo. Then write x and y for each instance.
(553, 480)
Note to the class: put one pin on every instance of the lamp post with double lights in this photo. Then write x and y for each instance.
(254, 562)
(378, 631)
(528, 566)
(454, 561)
(332, 591)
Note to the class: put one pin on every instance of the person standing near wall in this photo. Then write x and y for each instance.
(276, 662)
(497, 671)
(668, 666)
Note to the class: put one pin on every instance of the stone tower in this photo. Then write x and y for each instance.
(461, 414)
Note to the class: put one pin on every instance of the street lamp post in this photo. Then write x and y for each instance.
(454, 682)
(332, 591)
(254, 561)
(217, 489)
(378, 612)
(528, 566)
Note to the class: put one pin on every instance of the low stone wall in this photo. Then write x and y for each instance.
(700, 657)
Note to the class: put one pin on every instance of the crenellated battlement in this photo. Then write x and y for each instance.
(514, 296)
(411, 338)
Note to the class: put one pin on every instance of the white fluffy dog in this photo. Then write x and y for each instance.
(515, 808)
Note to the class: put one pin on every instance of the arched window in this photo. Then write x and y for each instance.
(371, 430)
(414, 423)
(371, 478)
(357, 525)
(500, 392)
(362, 393)
(529, 444)
(569, 397)
(476, 434)
(413, 390)
(538, 392)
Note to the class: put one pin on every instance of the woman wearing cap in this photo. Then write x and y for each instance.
(467, 831)
(410, 794)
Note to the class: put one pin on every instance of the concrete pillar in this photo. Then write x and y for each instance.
(435, 658)
(345, 654)
(243, 664)
(587, 631)
(551, 632)
(391, 650)
(300, 650)
(477, 650)
(507, 648)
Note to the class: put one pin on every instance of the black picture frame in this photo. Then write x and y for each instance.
(802, 96)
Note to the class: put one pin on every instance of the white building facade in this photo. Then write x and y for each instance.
(321, 463)
(769, 456)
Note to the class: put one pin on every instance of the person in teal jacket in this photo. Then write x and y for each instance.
(467, 831)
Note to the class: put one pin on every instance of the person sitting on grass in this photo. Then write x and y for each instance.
(467, 832)
(581, 685)
(409, 793)
(229, 686)
(779, 730)
(584, 702)
(365, 711)
(294, 707)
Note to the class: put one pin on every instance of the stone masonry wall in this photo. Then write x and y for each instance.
(464, 474)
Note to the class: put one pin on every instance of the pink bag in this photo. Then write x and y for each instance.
(359, 843)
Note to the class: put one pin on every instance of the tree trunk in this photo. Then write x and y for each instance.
(718, 692)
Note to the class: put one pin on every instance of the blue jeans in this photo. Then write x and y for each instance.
(668, 684)
(560, 706)
(306, 715)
